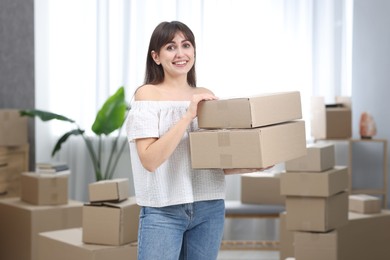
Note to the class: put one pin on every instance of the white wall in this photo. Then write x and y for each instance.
(371, 75)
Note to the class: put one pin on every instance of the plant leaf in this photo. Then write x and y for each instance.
(44, 115)
(63, 139)
(112, 114)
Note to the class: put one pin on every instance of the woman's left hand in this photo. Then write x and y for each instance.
(245, 170)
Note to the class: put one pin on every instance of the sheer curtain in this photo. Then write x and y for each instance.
(86, 49)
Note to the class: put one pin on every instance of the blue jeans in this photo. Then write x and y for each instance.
(190, 231)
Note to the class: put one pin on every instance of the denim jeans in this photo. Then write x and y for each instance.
(190, 231)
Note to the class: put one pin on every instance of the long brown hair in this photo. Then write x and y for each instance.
(163, 34)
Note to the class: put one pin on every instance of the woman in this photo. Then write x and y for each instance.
(182, 209)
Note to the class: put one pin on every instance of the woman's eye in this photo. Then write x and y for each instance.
(187, 45)
(170, 47)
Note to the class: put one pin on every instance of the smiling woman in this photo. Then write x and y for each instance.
(243, 48)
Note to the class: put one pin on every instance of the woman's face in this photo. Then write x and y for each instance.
(176, 57)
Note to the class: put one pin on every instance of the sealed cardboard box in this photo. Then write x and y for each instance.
(365, 236)
(250, 112)
(67, 244)
(331, 121)
(365, 204)
(286, 238)
(319, 214)
(320, 157)
(109, 190)
(13, 128)
(314, 184)
(21, 222)
(45, 189)
(111, 223)
(261, 188)
(248, 148)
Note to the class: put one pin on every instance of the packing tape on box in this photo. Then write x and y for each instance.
(223, 139)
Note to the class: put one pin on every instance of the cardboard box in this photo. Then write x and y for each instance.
(13, 128)
(286, 238)
(320, 157)
(250, 112)
(319, 214)
(314, 184)
(111, 223)
(364, 237)
(261, 188)
(45, 189)
(332, 121)
(365, 204)
(67, 244)
(109, 190)
(15, 161)
(21, 222)
(248, 148)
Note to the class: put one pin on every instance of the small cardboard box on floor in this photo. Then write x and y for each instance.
(366, 236)
(45, 189)
(331, 121)
(67, 244)
(109, 190)
(111, 223)
(248, 148)
(13, 128)
(250, 112)
(21, 222)
(320, 157)
(263, 188)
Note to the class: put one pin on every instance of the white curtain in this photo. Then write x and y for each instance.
(86, 49)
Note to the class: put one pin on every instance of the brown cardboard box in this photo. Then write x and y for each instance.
(109, 190)
(15, 161)
(248, 148)
(333, 121)
(261, 188)
(45, 189)
(314, 184)
(21, 222)
(364, 237)
(365, 204)
(13, 128)
(249, 112)
(111, 223)
(67, 245)
(320, 157)
(286, 238)
(320, 214)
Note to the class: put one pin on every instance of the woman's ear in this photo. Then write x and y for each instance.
(155, 57)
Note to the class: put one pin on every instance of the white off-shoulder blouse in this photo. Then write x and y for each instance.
(174, 182)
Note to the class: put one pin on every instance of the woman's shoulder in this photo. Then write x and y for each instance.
(146, 92)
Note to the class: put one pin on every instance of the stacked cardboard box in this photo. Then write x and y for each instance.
(331, 121)
(14, 151)
(21, 223)
(316, 192)
(252, 132)
(109, 226)
(45, 189)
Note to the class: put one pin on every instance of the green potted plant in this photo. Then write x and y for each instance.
(109, 118)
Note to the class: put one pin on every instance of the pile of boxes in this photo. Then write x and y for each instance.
(316, 196)
(254, 132)
(322, 221)
(14, 151)
(109, 226)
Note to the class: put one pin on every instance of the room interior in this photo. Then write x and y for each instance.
(367, 80)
